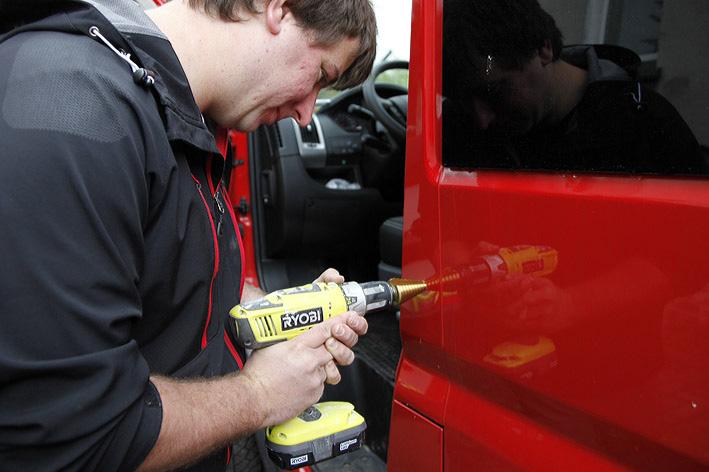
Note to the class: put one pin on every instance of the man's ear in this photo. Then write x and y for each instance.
(275, 11)
(546, 53)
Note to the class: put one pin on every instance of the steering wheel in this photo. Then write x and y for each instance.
(391, 112)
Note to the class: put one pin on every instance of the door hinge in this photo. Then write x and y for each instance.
(243, 207)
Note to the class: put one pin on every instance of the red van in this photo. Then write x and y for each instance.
(595, 357)
(606, 367)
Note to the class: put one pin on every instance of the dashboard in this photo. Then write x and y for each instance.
(324, 189)
(342, 134)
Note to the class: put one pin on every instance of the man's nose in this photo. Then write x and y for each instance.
(305, 107)
(483, 113)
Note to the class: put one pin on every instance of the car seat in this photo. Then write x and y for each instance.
(390, 236)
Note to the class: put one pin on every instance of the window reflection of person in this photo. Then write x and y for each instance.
(618, 306)
(534, 104)
(534, 303)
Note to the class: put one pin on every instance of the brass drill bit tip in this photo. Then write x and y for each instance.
(407, 289)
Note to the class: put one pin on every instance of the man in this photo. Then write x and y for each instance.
(121, 254)
(536, 105)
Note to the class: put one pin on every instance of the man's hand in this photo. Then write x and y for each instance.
(536, 304)
(277, 384)
(330, 275)
(251, 293)
(286, 378)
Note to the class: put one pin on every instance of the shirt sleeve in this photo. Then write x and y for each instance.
(75, 389)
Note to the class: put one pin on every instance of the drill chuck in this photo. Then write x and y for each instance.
(379, 295)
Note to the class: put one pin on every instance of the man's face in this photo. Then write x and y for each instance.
(510, 101)
(292, 74)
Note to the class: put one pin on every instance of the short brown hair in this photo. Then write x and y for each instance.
(330, 21)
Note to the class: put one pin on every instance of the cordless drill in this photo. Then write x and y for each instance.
(537, 261)
(284, 314)
(325, 429)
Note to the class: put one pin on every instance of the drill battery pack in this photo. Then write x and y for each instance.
(323, 431)
(525, 357)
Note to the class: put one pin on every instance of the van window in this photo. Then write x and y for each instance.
(609, 86)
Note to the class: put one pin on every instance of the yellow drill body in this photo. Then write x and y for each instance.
(284, 314)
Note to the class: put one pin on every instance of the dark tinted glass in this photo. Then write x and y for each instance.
(635, 102)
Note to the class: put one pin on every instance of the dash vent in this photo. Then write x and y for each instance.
(309, 133)
(278, 135)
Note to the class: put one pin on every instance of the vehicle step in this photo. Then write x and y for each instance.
(362, 460)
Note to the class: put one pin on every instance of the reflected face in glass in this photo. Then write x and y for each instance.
(510, 100)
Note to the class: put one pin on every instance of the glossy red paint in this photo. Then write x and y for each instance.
(419, 384)
(422, 434)
(625, 309)
(480, 435)
(606, 356)
(240, 191)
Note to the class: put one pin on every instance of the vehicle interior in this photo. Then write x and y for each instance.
(325, 189)
(331, 195)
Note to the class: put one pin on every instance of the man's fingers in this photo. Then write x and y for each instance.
(319, 355)
(344, 327)
(342, 354)
(357, 322)
(319, 333)
(344, 334)
(333, 373)
(330, 275)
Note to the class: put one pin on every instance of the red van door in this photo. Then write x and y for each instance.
(569, 316)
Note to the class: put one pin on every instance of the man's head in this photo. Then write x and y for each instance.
(312, 44)
(496, 54)
(328, 21)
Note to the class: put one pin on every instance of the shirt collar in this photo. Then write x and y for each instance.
(152, 50)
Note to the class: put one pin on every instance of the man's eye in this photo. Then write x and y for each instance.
(323, 81)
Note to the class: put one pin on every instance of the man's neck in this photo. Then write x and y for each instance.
(202, 44)
(568, 86)
(171, 19)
